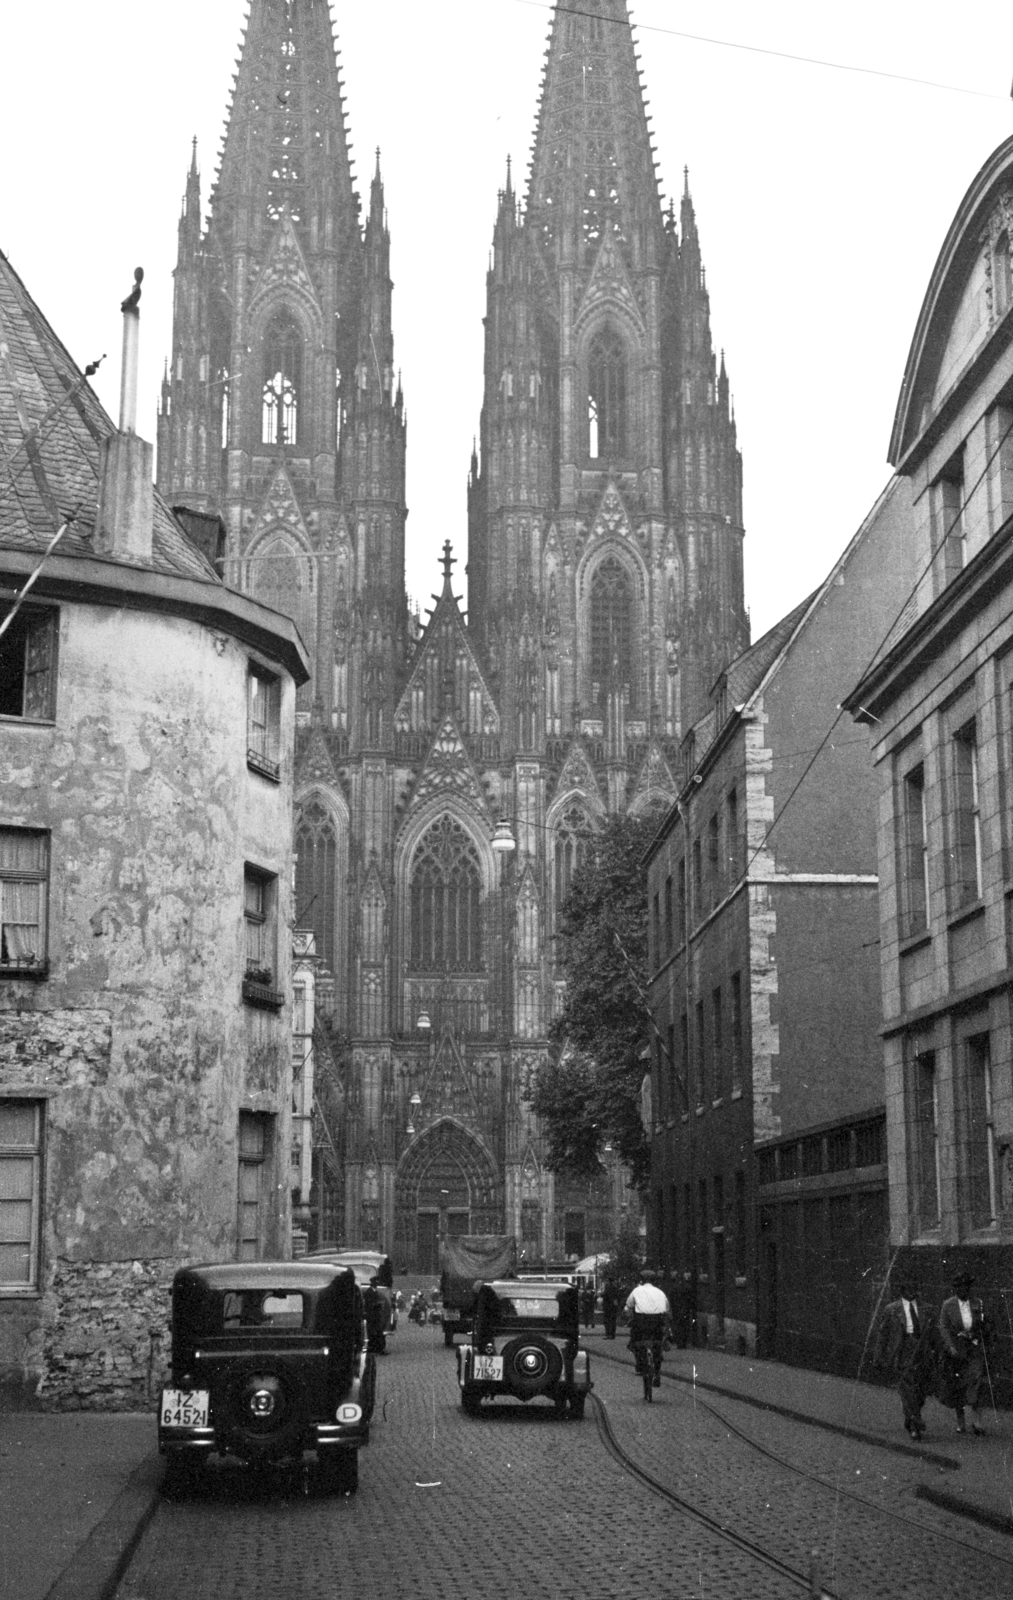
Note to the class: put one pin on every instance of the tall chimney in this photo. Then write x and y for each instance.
(126, 502)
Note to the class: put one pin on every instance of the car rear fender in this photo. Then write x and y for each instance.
(581, 1371)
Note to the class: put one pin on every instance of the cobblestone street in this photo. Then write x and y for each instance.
(519, 1502)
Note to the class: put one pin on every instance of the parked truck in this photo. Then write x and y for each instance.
(468, 1259)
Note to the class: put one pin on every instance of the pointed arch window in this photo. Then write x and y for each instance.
(611, 633)
(316, 847)
(606, 396)
(283, 353)
(446, 883)
(572, 833)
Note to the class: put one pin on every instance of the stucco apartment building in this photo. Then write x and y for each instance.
(769, 1204)
(146, 737)
(939, 706)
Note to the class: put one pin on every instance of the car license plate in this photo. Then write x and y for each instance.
(185, 1408)
(488, 1367)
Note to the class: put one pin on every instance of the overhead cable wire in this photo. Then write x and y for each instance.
(766, 50)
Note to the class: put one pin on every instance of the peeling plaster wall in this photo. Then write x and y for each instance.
(139, 1042)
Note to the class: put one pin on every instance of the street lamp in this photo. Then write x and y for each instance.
(503, 841)
(413, 1106)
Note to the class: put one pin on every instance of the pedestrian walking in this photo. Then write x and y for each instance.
(610, 1298)
(587, 1304)
(963, 1332)
(904, 1353)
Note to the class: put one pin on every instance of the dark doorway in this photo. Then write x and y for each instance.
(427, 1254)
(719, 1280)
(769, 1331)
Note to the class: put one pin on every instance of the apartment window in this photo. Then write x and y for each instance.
(812, 1156)
(717, 1044)
(680, 879)
(260, 913)
(24, 884)
(263, 723)
(697, 878)
(684, 1057)
(838, 1149)
(703, 1225)
(28, 664)
(965, 853)
(979, 1141)
(925, 1106)
(948, 531)
(736, 1021)
(766, 1166)
(669, 943)
(670, 1072)
(701, 1055)
(732, 835)
(254, 1153)
(714, 858)
(656, 927)
(20, 1182)
(740, 1224)
(915, 866)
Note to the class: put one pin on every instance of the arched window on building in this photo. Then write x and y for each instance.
(571, 835)
(316, 847)
(606, 396)
(446, 883)
(611, 633)
(283, 351)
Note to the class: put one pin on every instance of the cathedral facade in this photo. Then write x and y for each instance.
(449, 773)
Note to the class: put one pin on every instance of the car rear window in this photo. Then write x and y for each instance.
(262, 1308)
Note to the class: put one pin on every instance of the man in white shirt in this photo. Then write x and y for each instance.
(901, 1354)
(649, 1314)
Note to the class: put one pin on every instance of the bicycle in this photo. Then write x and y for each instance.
(646, 1336)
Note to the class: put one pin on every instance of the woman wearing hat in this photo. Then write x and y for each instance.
(962, 1331)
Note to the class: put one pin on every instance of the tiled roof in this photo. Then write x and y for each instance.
(50, 427)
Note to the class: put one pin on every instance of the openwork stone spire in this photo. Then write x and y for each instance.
(592, 169)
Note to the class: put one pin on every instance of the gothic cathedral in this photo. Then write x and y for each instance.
(604, 586)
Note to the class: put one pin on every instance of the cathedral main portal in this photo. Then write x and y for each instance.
(447, 1183)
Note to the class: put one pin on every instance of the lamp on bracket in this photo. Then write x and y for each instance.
(413, 1107)
(503, 841)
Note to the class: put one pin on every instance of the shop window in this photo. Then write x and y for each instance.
(28, 664)
(20, 1188)
(979, 1138)
(925, 1108)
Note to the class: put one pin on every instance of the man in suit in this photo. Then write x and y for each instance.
(901, 1351)
(962, 1331)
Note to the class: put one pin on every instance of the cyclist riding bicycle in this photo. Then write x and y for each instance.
(649, 1316)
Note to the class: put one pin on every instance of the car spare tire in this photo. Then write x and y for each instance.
(265, 1410)
(531, 1364)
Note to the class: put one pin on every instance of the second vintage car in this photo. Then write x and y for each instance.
(269, 1360)
(525, 1343)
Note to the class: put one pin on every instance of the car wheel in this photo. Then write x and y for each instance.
(265, 1409)
(531, 1364)
(338, 1472)
(471, 1401)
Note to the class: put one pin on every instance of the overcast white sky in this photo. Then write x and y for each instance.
(822, 196)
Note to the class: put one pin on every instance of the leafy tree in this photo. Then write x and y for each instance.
(589, 1090)
(626, 1257)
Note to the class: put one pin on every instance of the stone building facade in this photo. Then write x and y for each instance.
(146, 773)
(768, 1176)
(605, 591)
(938, 706)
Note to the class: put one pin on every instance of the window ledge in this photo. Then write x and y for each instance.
(914, 941)
(11, 1291)
(258, 994)
(700, 1110)
(27, 722)
(966, 914)
(736, 1094)
(267, 769)
(36, 971)
(718, 1102)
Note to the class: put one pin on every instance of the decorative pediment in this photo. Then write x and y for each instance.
(316, 763)
(609, 281)
(448, 1090)
(449, 770)
(281, 508)
(285, 266)
(611, 519)
(578, 774)
(654, 783)
(445, 653)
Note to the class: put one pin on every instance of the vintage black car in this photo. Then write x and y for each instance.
(269, 1360)
(374, 1273)
(525, 1342)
